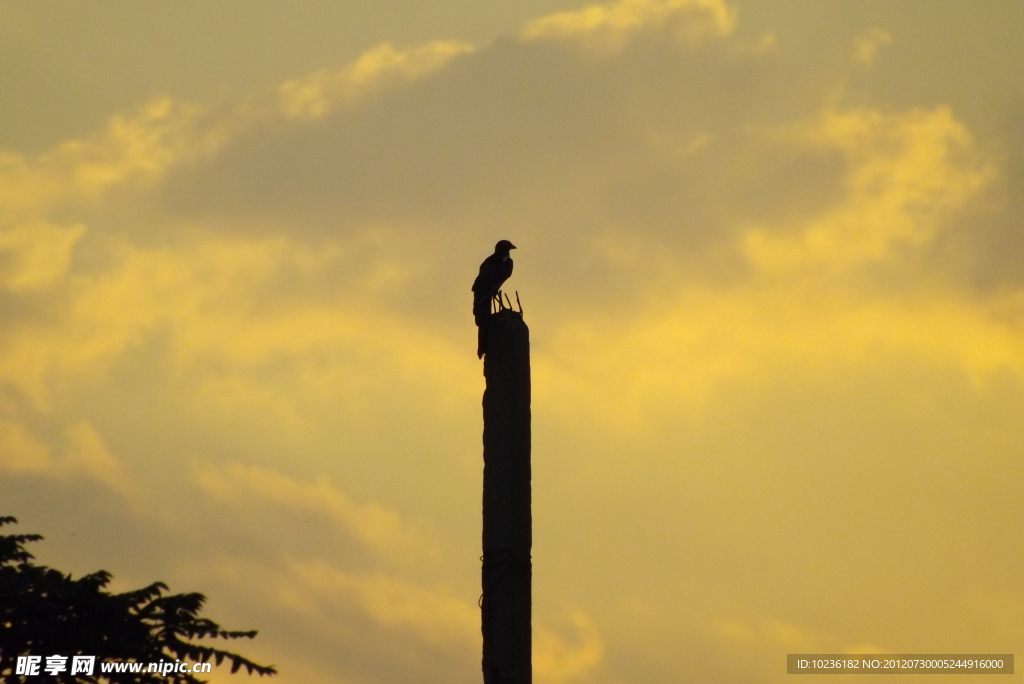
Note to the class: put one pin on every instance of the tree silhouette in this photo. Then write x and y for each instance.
(44, 612)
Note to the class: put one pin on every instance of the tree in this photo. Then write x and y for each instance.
(44, 612)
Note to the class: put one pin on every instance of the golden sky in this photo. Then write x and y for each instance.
(771, 259)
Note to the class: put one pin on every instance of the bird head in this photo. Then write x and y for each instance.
(503, 247)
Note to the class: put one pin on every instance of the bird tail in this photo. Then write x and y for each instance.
(482, 316)
(481, 309)
(481, 341)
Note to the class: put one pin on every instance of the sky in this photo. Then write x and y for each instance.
(769, 253)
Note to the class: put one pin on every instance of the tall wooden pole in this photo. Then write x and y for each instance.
(508, 522)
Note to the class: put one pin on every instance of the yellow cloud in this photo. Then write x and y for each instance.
(734, 630)
(808, 307)
(140, 147)
(609, 27)
(379, 528)
(35, 256)
(672, 358)
(20, 451)
(132, 149)
(84, 455)
(761, 632)
(314, 96)
(787, 634)
(343, 606)
(769, 635)
(230, 311)
(106, 314)
(335, 602)
(567, 650)
(137, 148)
(433, 615)
(88, 454)
(908, 172)
(867, 45)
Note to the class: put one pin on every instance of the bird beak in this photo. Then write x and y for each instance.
(512, 246)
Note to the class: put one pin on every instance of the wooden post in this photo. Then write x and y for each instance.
(508, 523)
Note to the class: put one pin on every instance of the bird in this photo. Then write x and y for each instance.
(494, 271)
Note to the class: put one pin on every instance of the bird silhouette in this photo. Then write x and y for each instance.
(494, 271)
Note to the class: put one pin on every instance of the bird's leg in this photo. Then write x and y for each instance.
(509, 301)
(497, 298)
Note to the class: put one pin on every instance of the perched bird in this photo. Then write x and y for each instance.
(494, 271)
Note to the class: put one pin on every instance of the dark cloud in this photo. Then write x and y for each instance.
(984, 245)
(542, 144)
(537, 135)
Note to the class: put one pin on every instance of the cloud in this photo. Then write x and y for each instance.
(354, 624)
(765, 633)
(867, 45)
(672, 358)
(652, 142)
(87, 453)
(83, 455)
(908, 174)
(192, 291)
(987, 244)
(21, 451)
(380, 529)
(567, 649)
(901, 178)
(787, 634)
(813, 301)
(35, 256)
(135, 150)
(357, 626)
(609, 27)
(316, 95)
(430, 615)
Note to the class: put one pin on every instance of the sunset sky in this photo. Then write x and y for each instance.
(772, 259)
